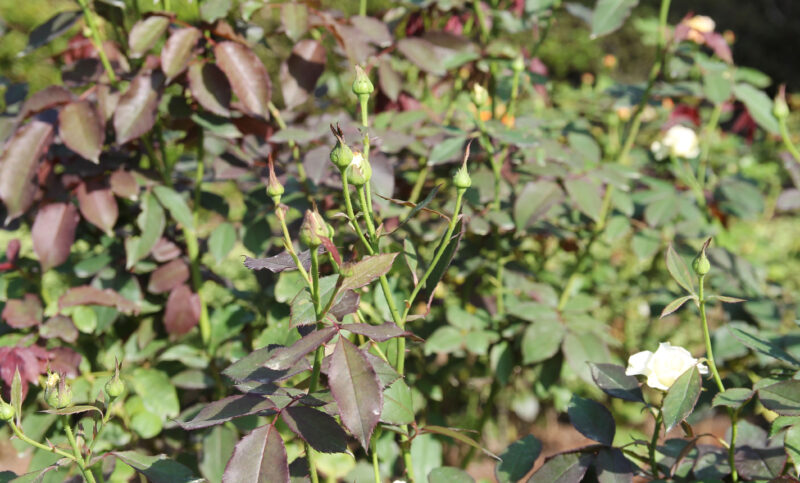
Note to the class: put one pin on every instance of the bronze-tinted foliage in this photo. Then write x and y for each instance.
(18, 166)
(53, 232)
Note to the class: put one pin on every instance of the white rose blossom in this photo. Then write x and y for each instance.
(664, 366)
(679, 141)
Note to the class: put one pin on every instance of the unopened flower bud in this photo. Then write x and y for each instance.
(780, 108)
(115, 387)
(362, 86)
(6, 411)
(462, 180)
(700, 264)
(312, 229)
(274, 187)
(341, 154)
(480, 96)
(359, 171)
(518, 64)
(57, 393)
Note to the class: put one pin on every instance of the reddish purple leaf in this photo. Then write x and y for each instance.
(97, 204)
(379, 333)
(53, 232)
(250, 368)
(259, 456)
(64, 360)
(210, 87)
(145, 33)
(88, 295)
(107, 100)
(12, 250)
(168, 276)
(164, 250)
(390, 81)
(247, 76)
(177, 51)
(300, 73)
(30, 361)
(82, 130)
(137, 109)
(280, 262)
(25, 312)
(226, 409)
(719, 45)
(183, 310)
(286, 357)
(19, 163)
(356, 389)
(367, 270)
(59, 326)
(124, 184)
(347, 304)
(316, 428)
(46, 98)
(374, 29)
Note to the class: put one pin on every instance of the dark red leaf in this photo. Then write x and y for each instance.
(247, 75)
(145, 33)
(97, 204)
(82, 130)
(25, 312)
(250, 368)
(286, 357)
(347, 304)
(226, 409)
(136, 112)
(31, 361)
(210, 87)
(183, 310)
(19, 163)
(300, 73)
(53, 232)
(88, 295)
(168, 276)
(124, 184)
(59, 326)
(719, 46)
(12, 250)
(64, 360)
(46, 98)
(379, 333)
(259, 456)
(107, 101)
(177, 51)
(356, 389)
(316, 428)
(280, 262)
(367, 270)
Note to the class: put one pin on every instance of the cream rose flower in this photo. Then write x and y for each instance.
(679, 141)
(701, 23)
(664, 366)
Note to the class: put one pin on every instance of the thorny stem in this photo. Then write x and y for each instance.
(18, 432)
(715, 373)
(98, 41)
(87, 474)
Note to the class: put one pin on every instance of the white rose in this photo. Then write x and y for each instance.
(664, 366)
(679, 141)
(701, 23)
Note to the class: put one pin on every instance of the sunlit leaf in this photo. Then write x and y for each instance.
(53, 232)
(681, 398)
(24, 312)
(679, 270)
(88, 295)
(138, 106)
(145, 33)
(609, 15)
(182, 312)
(286, 357)
(259, 456)
(676, 304)
(366, 271)
(563, 468)
(247, 75)
(226, 409)
(518, 459)
(301, 71)
(217, 449)
(294, 17)
(157, 469)
(168, 276)
(82, 130)
(151, 222)
(177, 52)
(97, 205)
(18, 165)
(54, 27)
(783, 397)
(612, 380)
(378, 333)
(422, 54)
(210, 87)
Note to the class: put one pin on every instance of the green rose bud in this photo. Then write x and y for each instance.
(362, 86)
(57, 394)
(462, 180)
(115, 387)
(518, 64)
(359, 172)
(274, 187)
(780, 108)
(700, 264)
(313, 229)
(6, 411)
(480, 96)
(341, 154)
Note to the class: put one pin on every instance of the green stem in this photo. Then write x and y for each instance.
(287, 242)
(654, 444)
(787, 139)
(481, 21)
(376, 470)
(362, 8)
(312, 466)
(320, 352)
(348, 205)
(18, 432)
(87, 475)
(151, 153)
(406, 443)
(710, 127)
(91, 22)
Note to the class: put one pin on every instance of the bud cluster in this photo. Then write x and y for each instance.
(57, 393)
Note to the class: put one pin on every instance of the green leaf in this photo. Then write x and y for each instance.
(563, 468)
(397, 404)
(217, 448)
(759, 105)
(449, 149)
(679, 270)
(366, 271)
(356, 390)
(734, 397)
(82, 130)
(294, 17)
(612, 380)
(609, 15)
(534, 201)
(586, 196)
(791, 441)
(221, 241)
(426, 454)
(541, 340)
(421, 53)
(681, 398)
(518, 459)
(592, 420)
(152, 223)
(580, 349)
(156, 391)
(444, 261)
(157, 469)
(763, 346)
(145, 33)
(676, 304)
(448, 474)
(718, 84)
(613, 467)
(176, 205)
(445, 339)
(783, 397)
(177, 52)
